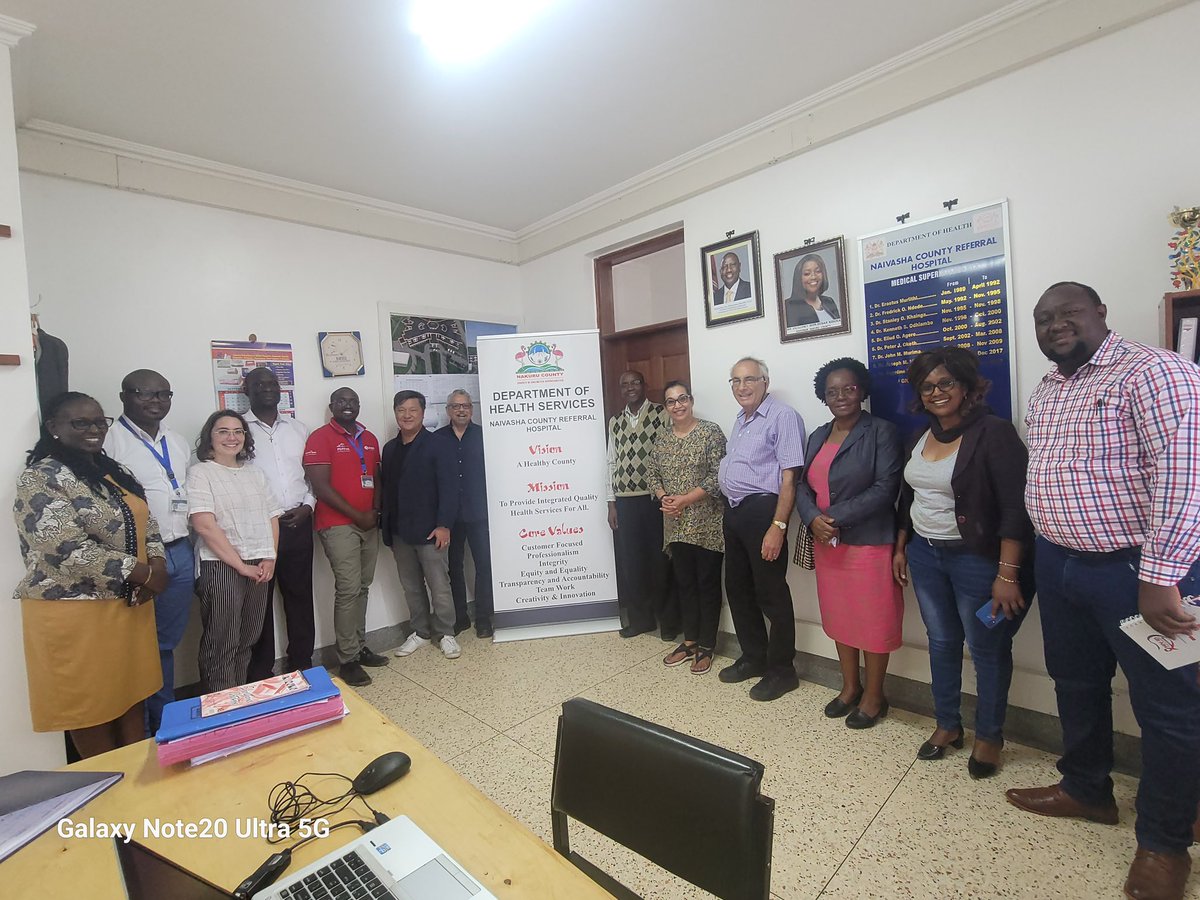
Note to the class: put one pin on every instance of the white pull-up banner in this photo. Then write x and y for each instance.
(542, 412)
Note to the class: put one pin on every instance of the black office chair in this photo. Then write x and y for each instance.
(629, 779)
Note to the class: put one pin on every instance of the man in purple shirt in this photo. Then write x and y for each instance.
(758, 481)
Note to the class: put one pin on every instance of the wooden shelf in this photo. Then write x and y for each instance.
(10, 359)
(1177, 305)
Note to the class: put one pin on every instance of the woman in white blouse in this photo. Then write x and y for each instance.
(236, 516)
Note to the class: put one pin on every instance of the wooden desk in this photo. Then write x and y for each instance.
(498, 850)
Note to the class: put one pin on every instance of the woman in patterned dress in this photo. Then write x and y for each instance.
(683, 476)
(93, 559)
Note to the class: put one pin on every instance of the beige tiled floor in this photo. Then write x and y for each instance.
(855, 814)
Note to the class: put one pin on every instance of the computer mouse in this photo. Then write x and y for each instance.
(382, 772)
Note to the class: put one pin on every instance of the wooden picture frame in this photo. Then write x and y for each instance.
(730, 296)
(802, 313)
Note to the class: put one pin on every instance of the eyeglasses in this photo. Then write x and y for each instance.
(850, 390)
(748, 381)
(103, 423)
(149, 395)
(678, 401)
(229, 432)
(631, 382)
(459, 407)
(944, 386)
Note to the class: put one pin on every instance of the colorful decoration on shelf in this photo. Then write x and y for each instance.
(1185, 249)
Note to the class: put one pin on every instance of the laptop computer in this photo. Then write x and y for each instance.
(396, 860)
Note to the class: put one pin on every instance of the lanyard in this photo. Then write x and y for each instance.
(164, 458)
(358, 445)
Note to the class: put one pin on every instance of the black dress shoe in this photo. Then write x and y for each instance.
(741, 671)
(774, 686)
(837, 708)
(483, 629)
(633, 631)
(859, 719)
(979, 769)
(936, 751)
(367, 657)
(352, 673)
(461, 625)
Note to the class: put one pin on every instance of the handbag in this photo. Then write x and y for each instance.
(803, 553)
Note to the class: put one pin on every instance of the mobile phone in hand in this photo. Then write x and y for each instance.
(984, 615)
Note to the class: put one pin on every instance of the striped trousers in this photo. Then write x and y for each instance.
(232, 607)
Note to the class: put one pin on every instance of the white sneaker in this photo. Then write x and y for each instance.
(414, 643)
(450, 647)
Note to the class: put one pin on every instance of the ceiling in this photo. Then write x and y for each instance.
(343, 96)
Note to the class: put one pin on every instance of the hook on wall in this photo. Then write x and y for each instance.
(808, 241)
(903, 217)
(950, 204)
(729, 233)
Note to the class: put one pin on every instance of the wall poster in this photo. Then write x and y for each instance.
(231, 360)
(943, 280)
(437, 356)
(542, 411)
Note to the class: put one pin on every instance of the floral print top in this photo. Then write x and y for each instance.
(76, 545)
(679, 464)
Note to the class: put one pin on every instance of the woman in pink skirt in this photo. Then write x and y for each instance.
(847, 498)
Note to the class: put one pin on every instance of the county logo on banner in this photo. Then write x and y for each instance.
(542, 413)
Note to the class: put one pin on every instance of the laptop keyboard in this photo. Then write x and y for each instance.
(346, 878)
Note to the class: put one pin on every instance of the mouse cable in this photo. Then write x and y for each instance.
(291, 801)
(277, 863)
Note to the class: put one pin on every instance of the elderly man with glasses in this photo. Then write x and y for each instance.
(758, 481)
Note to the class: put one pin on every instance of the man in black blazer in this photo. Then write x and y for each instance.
(420, 504)
(734, 287)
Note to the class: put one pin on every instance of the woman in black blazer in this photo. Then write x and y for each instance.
(963, 538)
(847, 498)
(808, 303)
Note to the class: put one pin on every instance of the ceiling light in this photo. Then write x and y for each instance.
(461, 31)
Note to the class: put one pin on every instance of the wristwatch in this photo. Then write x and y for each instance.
(782, 526)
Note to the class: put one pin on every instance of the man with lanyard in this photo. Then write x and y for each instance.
(758, 479)
(341, 460)
(472, 524)
(279, 451)
(158, 458)
(635, 516)
(1114, 495)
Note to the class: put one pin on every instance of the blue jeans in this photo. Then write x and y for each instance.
(951, 584)
(1082, 604)
(172, 608)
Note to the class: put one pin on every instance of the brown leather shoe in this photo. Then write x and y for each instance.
(1054, 801)
(1157, 876)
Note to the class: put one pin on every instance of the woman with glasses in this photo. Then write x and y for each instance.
(683, 477)
(93, 560)
(963, 537)
(236, 516)
(847, 498)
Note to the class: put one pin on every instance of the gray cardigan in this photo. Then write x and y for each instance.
(864, 481)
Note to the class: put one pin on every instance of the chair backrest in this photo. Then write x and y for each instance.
(687, 805)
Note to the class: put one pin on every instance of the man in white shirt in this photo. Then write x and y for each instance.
(279, 452)
(158, 458)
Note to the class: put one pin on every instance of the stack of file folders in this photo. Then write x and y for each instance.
(201, 729)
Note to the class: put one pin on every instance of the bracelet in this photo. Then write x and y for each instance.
(1009, 565)
(1006, 580)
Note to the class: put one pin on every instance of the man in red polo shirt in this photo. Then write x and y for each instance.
(341, 460)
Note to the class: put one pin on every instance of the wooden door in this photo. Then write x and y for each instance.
(660, 352)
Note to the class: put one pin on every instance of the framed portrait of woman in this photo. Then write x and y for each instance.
(732, 280)
(810, 283)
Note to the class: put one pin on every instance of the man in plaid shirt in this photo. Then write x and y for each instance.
(1114, 494)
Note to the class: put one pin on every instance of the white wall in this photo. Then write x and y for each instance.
(650, 289)
(1089, 148)
(132, 281)
(20, 746)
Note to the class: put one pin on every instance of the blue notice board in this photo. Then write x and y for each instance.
(940, 281)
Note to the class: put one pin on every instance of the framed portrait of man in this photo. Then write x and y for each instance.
(732, 280)
(810, 283)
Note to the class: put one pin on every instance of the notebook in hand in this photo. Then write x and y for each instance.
(1171, 652)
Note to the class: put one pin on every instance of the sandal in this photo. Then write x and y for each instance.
(679, 655)
(702, 662)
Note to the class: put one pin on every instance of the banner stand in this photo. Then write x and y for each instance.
(557, 629)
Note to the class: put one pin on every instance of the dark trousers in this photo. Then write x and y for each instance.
(293, 575)
(758, 588)
(1082, 603)
(642, 589)
(697, 573)
(231, 610)
(172, 609)
(475, 534)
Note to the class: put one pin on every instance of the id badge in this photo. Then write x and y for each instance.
(368, 482)
(179, 503)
